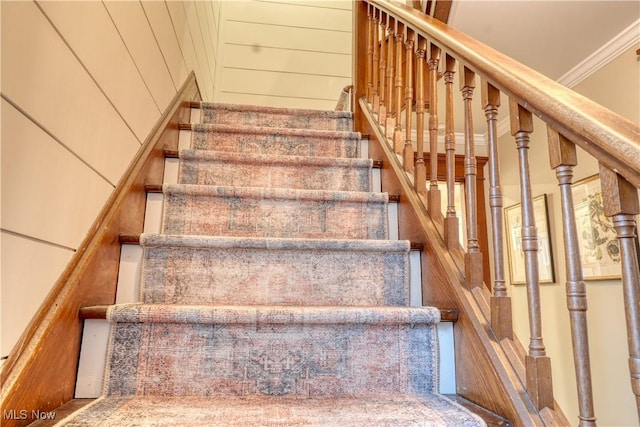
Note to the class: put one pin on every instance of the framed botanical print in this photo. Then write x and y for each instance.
(513, 223)
(599, 247)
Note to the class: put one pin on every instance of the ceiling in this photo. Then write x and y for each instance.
(551, 37)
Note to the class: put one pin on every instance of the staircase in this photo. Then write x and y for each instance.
(272, 295)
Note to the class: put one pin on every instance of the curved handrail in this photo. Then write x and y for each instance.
(612, 139)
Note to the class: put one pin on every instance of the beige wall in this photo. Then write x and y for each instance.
(615, 86)
(294, 53)
(82, 85)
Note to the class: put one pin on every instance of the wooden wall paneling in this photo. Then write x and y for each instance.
(135, 30)
(256, 34)
(29, 42)
(287, 60)
(115, 72)
(160, 21)
(284, 14)
(40, 372)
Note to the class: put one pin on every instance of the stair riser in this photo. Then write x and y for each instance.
(281, 144)
(292, 360)
(279, 277)
(274, 176)
(252, 217)
(265, 119)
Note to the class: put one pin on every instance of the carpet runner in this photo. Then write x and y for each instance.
(272, 296)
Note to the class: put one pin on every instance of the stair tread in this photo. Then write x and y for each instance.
(307, 112)
(275, 193)
(250, 315)
(274, 131)
(274, 243)
(251, 137)
(280, 159)
(221, 341)
(266, 170)
(378, 410)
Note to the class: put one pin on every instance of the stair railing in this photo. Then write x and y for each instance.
(384, 28)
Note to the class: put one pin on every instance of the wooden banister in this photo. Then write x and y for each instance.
(612, 139)
(572, 121)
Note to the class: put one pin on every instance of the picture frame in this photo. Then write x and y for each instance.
(597, 239)
(513, 225)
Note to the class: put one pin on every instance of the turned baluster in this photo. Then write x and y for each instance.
(538, 365)
(389, 124)
(407, 152)
(563, 158)
(420, 171)
(376, 60)
(451, 236)
(473, 256)
(382, 112)
(500, 302)
(434, 193)
(370, 60)
(397, 135)
(620, 199)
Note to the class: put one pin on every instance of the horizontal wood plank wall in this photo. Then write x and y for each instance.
(83, 84)
(286, 54)
(40, 373)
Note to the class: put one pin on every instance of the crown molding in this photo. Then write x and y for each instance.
(598, 59)
(601, 57)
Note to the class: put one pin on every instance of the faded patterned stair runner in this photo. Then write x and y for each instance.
(272, 297)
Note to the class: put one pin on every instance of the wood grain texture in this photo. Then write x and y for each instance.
(485, 374)
(605, 135)
(483, 239)
(40, 372)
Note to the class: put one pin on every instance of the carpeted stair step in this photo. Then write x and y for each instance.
(299, 352)
(251, 115)
(399, 410)
(238, 270)
(273, 212)
(274, 171)
(265, 140)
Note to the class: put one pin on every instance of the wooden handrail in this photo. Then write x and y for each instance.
(572, 120)
(612, 139)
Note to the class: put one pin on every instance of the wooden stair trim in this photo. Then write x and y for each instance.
(153, 188)
(93, 312)
(491, 419)
(129, 239)
(171, 154)
(488, 378)
(40, 371)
